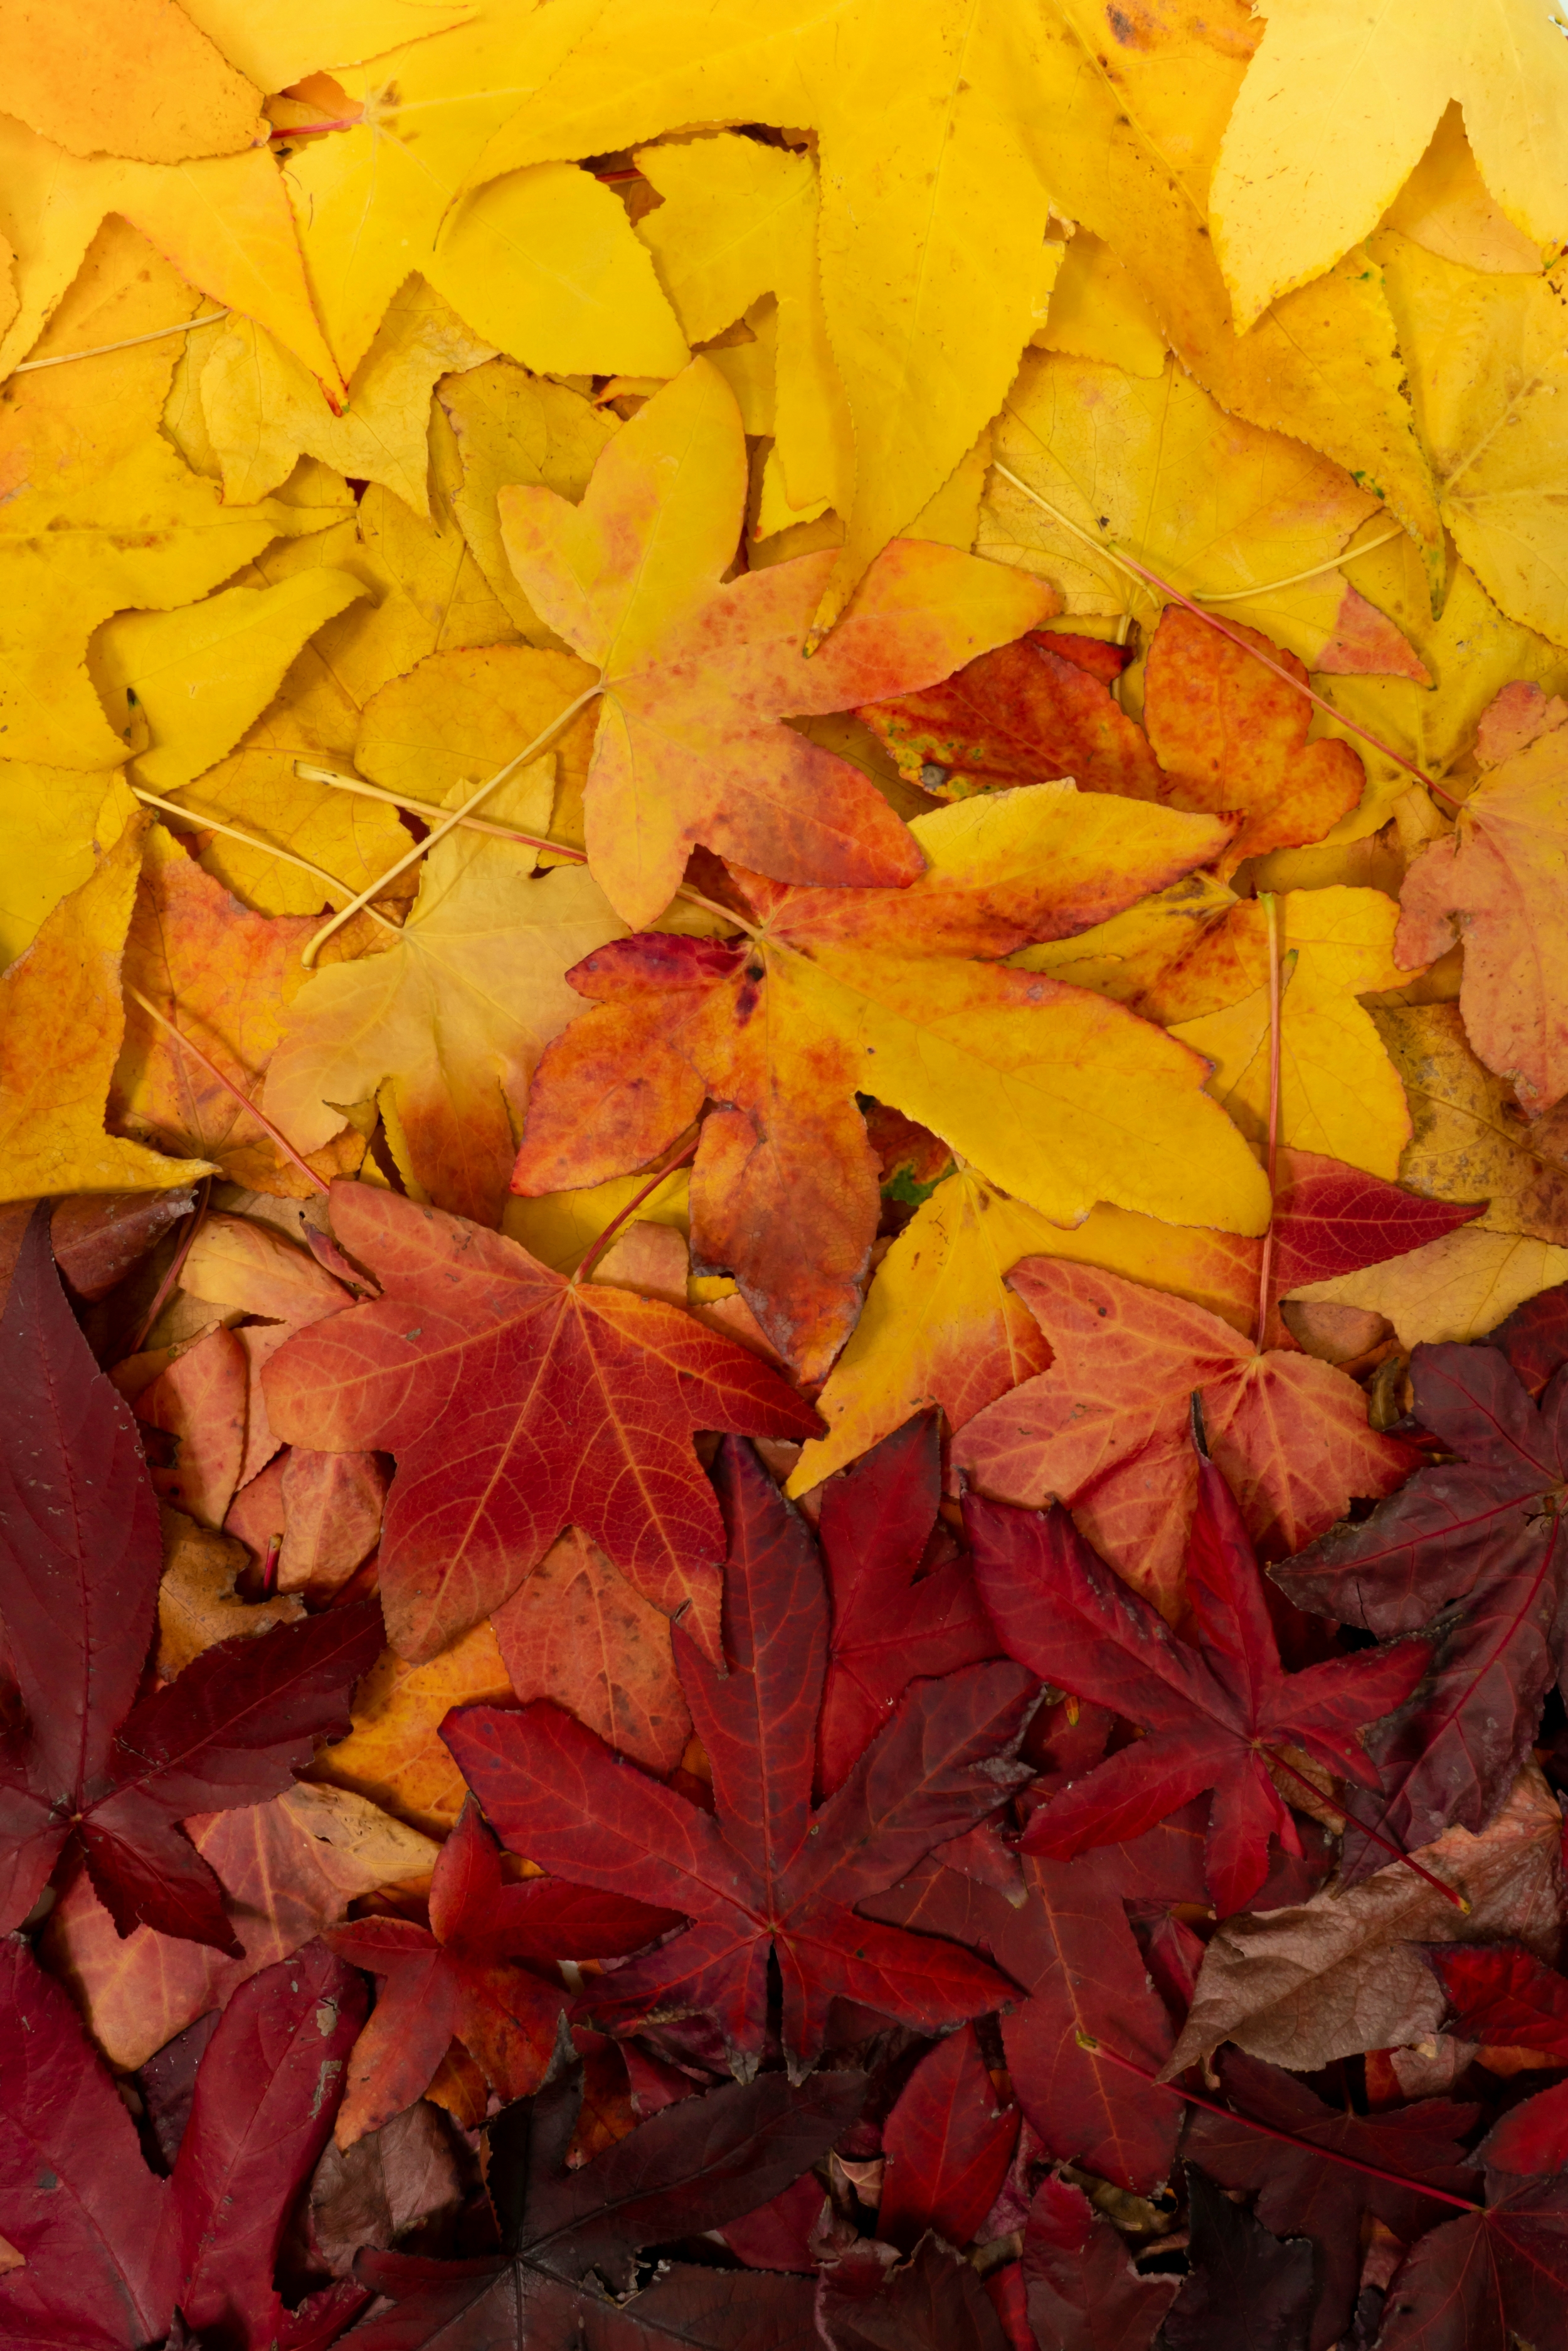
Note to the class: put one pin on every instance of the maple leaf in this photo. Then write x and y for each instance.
(1492, 878)
(1218, 1710)
(692, 2167)
(100, 1768)
(694, 674)
(1481, 1528)
(838, 992)
(1322, 1979)
(1082, 2290)
(1302, 2192)
(453, 1979)
(517, 1403)
(1362, 98)
(452, 1018)
(946, 2145)
(904, 1603)
(765, 1874)
(1086, 1984)
(107, 2261)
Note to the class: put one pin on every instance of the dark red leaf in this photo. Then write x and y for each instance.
(1300, 2194)
(696, 2166)
(1534, 1337)
(933, 2301)
(762, 1873)
(947, 2143)
(1214, 1707)
(1331, 1218)
(1083, 2294)
(1245, 2290)
(876, 1523)
(1502, 1993)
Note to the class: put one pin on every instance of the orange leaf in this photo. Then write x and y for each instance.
(577, 1631)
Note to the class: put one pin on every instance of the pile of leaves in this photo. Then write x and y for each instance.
(783, 1177)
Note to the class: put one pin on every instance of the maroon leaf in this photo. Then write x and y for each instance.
(1534, 1337)
(1071, 1948)
(1480, 1530)
(947, 2143)
(1331, 1218)
(82, 1552)
(457, 1979)
(79, 2204)
(1214, 1707)
(878, 1527)
(1300, 2193)
(266, 2091)
(933, 2301)
(762, 1874)
(1502, 1994)
(1245, 2289)
(695, 2166)
(1083, 2294)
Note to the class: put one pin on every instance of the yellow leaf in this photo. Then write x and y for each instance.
(393, 1754)
(458, 716)
(224, 224)
(560, 1227)
(1489, 377)
(454, 1016)
(279, 42)
(263, 409)
(545, 265)
(740, 220)
(511, 426)
(60, 1025)
(197, 1602)
(1456, 1288)
(1471, 1141)
(54, 823)
(1339, 1092)
(125, 77)
(1339, 104)
(201, 676)
(1097, 313)
(1446, 206)
(1212, 504)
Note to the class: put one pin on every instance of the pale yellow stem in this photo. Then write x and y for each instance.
(203, 823)
(102, 350)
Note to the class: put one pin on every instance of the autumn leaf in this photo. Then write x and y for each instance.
(1362, 98)
(455, 1980)
(1218, 1710)
(153, 86)
(765, 1875)
(1079, 2274)
(392, 1755)
(1471, 1139)
(947, 2144)
(490, 1469)
(838, 993)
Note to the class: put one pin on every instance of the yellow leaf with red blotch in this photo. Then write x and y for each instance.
(1455, 1289)
(225, 978)
(60, 1028)
(393, 1755)
(1108, 1428)
(1497, 881)
(577, 1631)
(1058, 1096)
(125, 77)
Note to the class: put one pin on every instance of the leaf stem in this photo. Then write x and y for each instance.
(1286, 2138)
(1266, 1262)
(313, 946)
(1449, 1893)
(102, 350)
(596, 1250)
(203, 823)
(1293, 579)
(1147, 577)
(229, 1087)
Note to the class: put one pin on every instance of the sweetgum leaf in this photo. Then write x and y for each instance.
(763, 1873)
(79, 1526)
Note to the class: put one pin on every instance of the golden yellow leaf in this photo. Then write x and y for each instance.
(559, 1227)
(545, 266)
(1455, 1288)
(511, 426)
(456, 717)
(60, 1025)
(279, 42)
(125, 77)
(1338, 106)
(713, 188)
(224, 223)
(53, 822)
(263, 409)
(393, 1754)
(1097, 313)
(1471, 1139)
(1446, 206)
(196, 678)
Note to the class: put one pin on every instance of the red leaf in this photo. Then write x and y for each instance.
(79, 1529)
(878, 1523)
(934, 2302)
(1244, 2285)
(1331, 1218)
(1083, 2294)
(948, 2143)
(517, 1403)
(454, 1979)
(1213, 1706)
(762, 1873)
(1502, 1993)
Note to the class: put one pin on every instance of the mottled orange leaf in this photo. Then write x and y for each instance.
(125, 77)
